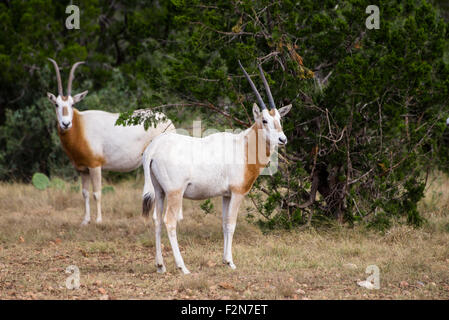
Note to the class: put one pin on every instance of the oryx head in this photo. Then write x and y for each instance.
(64, 104)
(268, 120)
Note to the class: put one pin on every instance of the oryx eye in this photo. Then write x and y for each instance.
(264, 121)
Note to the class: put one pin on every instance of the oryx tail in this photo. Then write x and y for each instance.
(148, 188)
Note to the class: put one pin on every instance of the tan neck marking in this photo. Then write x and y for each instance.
(253, 164)
(76, 145)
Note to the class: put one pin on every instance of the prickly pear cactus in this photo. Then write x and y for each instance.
(57, 183)
(107, 189)
(40, 181)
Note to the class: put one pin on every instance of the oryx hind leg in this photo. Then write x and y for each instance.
(174, 205)
(157, 218)
(225, 206)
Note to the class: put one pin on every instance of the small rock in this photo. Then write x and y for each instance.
(419, 283)
(300, 291)
(84, 253)
(404, 284)
(350, 266)
(211, 264)
(102, 291)
(226, 285)
(366, 284)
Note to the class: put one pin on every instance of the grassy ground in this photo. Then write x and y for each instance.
(40, 237)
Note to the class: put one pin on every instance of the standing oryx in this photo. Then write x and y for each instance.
(221, 164)
(93, 142)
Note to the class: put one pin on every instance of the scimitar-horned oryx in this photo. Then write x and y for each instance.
(222, 164)
(93, 142)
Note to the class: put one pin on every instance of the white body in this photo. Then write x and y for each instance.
(221, 164)
(199, 166)
(120, 146)
(104, 146)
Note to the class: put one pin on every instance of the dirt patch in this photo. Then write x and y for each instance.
(40, 236)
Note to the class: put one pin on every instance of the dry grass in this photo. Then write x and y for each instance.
(40, 236)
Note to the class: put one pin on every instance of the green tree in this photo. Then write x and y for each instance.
(116, 39)
(368, 104)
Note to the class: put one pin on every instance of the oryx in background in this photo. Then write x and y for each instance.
(93, 142)
(222, 164)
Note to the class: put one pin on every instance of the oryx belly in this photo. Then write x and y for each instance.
(120, 146)
(203, 168)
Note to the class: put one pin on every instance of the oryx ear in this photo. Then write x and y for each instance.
(51, 97)
(80, 96)
(256, 112)
(284, 110)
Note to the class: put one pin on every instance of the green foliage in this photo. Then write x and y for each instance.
(380, 222)
(446, 227)
(107, 189)
(75, 188)
(207, 206)
(373, 125)
(40, 181)
(368, 105)
(57, 183)
(118, 76)
(27, 137)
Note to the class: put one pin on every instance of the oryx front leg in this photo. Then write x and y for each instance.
(95, 175)
(85, 182)
(230, 211)
(174, 205)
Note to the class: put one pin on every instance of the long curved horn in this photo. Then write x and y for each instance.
(72, 72)
(58, 76)
(267, 89)
(259, 98)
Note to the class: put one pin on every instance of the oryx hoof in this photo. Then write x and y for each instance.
(230, 264)
(160, 268)
(184, 270)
